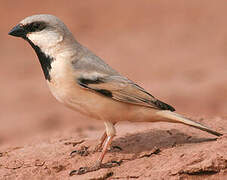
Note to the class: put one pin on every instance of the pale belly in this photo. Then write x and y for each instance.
(82, 100)
(72, 97)
(99, 107)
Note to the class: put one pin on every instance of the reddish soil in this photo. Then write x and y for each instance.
(176, 50)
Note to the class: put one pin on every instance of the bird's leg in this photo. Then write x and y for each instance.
(106, 145)
(110, 133)
(101, 141)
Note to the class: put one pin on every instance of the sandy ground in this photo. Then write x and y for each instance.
(175, 50)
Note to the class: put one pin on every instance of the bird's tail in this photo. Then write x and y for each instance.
(177, 118)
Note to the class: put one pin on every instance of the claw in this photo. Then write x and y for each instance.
(83, 151)
(81, 170)
(71, 154)
(111, 164)
(84, 170)
(73, 172)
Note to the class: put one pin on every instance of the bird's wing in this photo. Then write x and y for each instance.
(95, 75)
(121, 89)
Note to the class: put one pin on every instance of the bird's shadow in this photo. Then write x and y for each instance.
(162, 139)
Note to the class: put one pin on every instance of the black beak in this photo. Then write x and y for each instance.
(18, 31)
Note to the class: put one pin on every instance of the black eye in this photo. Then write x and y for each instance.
(35, 26)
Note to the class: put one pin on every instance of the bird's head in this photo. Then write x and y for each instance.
(44, 31)
(48, 36)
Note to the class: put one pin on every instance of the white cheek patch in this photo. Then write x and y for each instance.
(45, 39)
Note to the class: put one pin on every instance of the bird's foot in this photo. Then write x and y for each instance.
(83, 151)
(84, 170)
(111, 164)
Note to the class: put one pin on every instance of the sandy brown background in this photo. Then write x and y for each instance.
(176, 50)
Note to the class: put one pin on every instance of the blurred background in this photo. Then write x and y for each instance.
(176, 50)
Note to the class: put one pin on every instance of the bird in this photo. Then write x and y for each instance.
(83, 82)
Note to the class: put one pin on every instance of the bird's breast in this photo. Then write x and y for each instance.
(62, 80)
(65, 89)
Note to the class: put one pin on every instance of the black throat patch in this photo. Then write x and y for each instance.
(44, 60)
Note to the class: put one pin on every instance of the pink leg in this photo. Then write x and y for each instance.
(101, 141)
(110, 132)
(107, 144)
